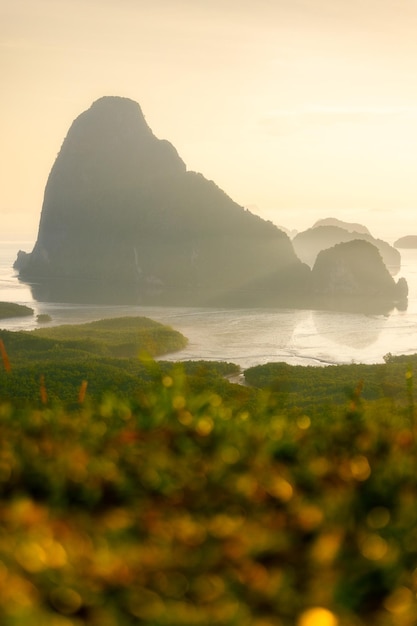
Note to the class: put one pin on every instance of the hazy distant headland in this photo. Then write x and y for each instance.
(409, 241)
(123, 221)
(328, 233)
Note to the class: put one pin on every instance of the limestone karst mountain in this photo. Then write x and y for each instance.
(353, 273)
(310, 242)
(123, 220)
(352, 227)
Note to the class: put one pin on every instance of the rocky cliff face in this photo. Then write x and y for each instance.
(123, 220)
(309, 243)
(354, 272)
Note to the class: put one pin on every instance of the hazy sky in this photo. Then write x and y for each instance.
(299, 109)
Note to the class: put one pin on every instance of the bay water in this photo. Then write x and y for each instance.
(246, 337)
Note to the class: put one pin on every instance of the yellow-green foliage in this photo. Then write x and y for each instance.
(121, 336)
(105, 353)
(184, 508)
(305, 386)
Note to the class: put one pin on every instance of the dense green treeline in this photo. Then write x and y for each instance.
(307, 386)
(118, 337)
(66, 356)
(113, 356)
(161, 494)
(10, 309)
(122, 378)
(103, 353)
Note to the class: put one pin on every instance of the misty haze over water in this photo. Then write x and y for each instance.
(245, 336)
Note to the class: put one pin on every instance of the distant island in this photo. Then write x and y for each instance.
(10, 309)
(123, 221)
(328, 233)
(352, 270)
(352, 227)
(409, 241)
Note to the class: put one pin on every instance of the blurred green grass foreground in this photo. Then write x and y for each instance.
(135, 491)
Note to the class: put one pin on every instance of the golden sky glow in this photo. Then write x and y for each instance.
(300, 109)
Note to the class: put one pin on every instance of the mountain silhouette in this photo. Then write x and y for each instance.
(321, 236)
(352, 227)
(123, 220)
(353, 274)
(408, 241)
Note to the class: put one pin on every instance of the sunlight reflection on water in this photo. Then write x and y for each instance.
(246, 336)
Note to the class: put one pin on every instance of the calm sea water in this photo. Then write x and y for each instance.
(245, 336)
